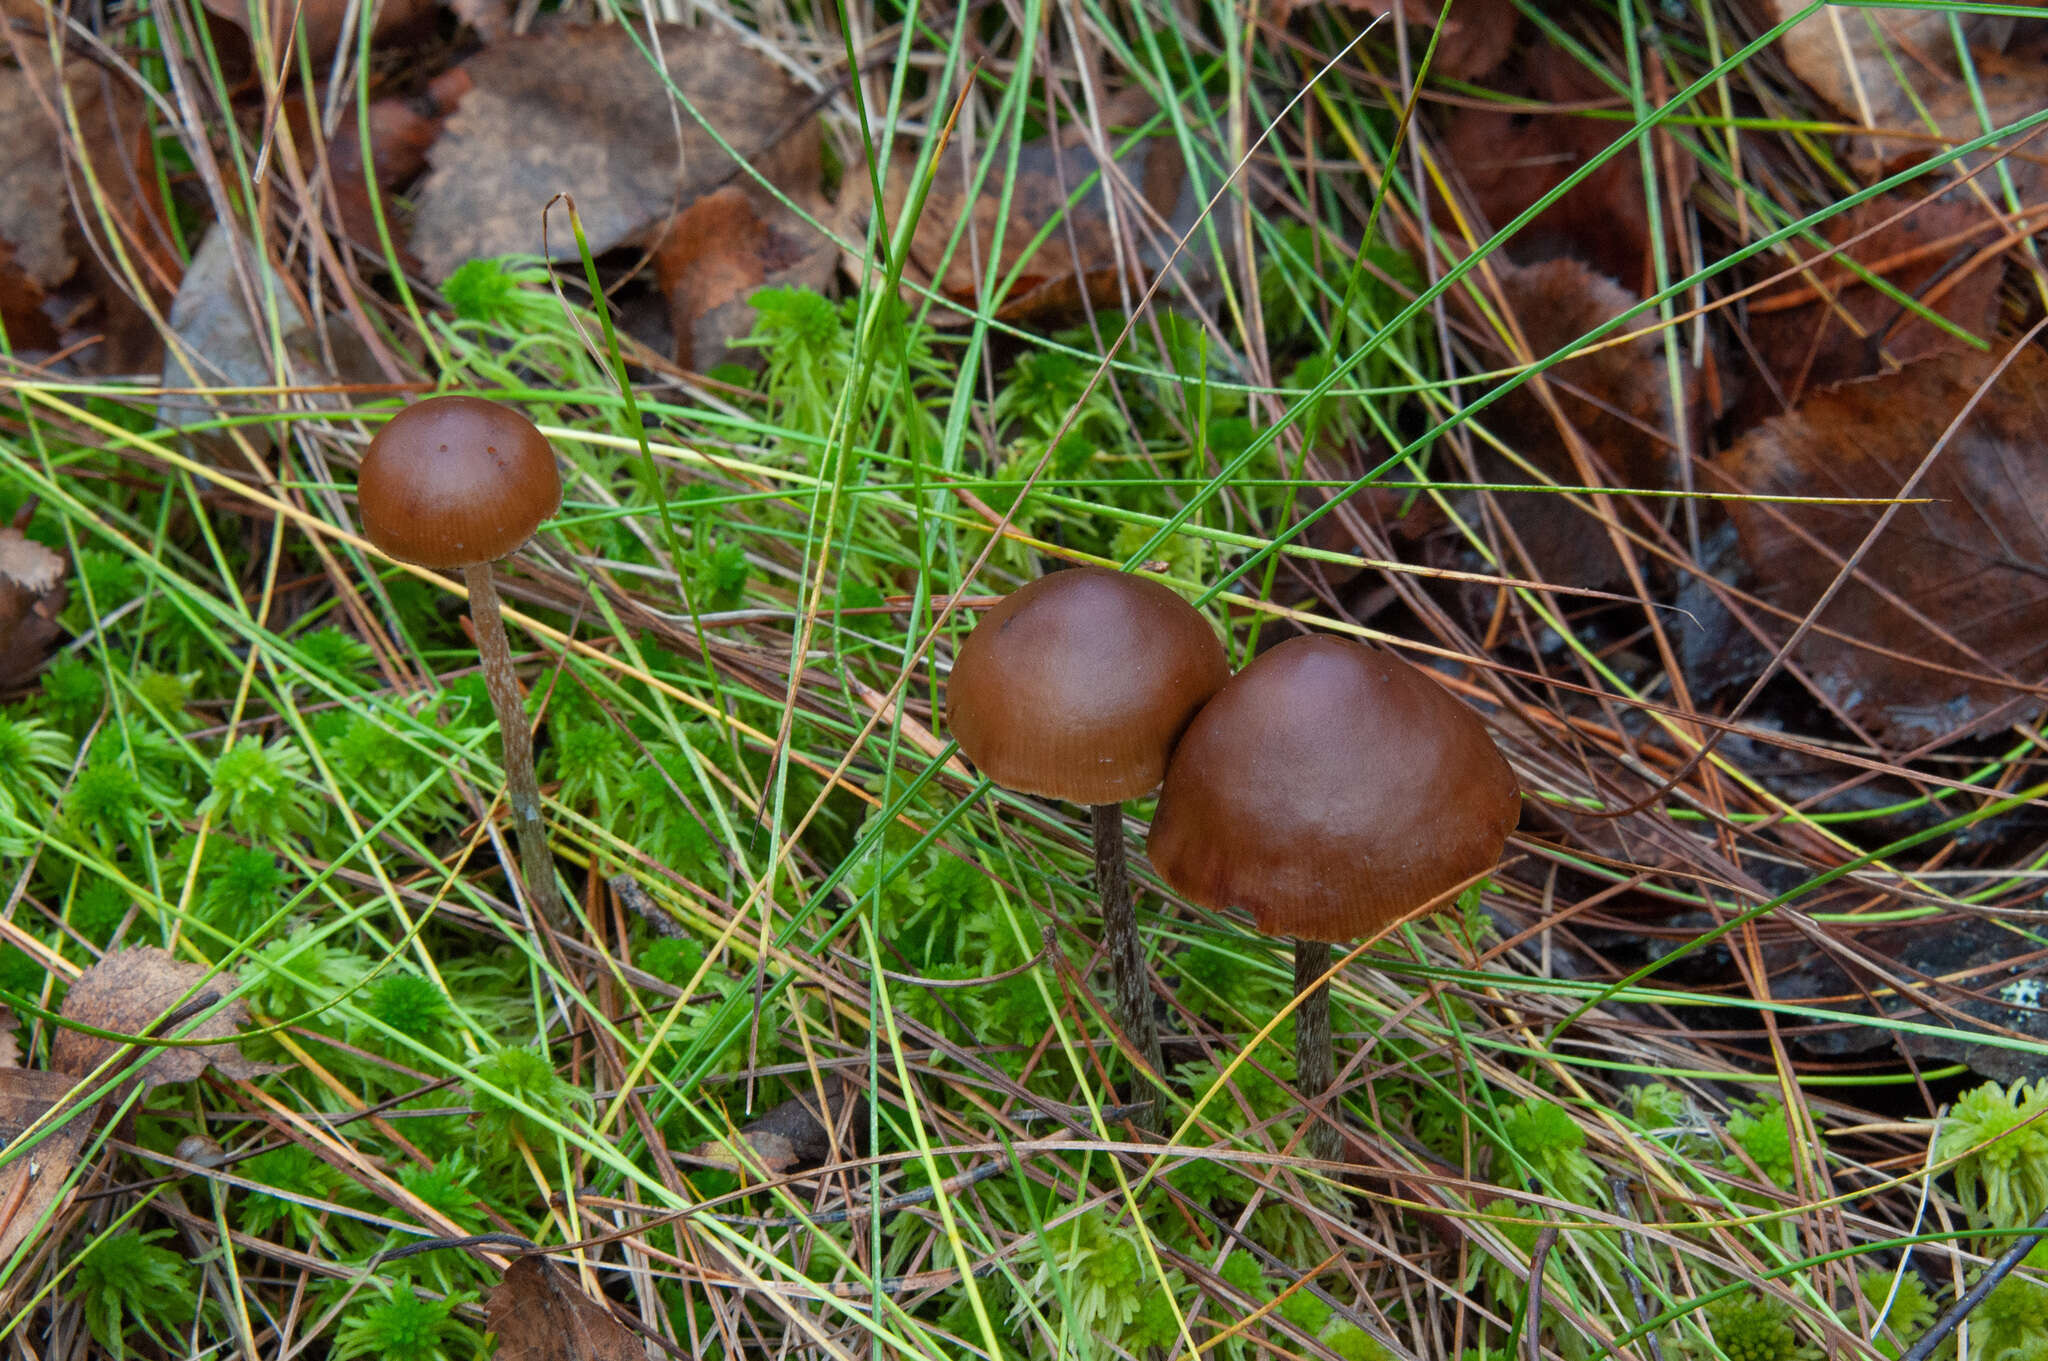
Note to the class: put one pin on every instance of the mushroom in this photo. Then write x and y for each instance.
(1076, 687)
(1335, 791)
(461, 482)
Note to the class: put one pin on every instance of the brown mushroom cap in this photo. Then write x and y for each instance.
(1077, 685)
(1334, 790)
(456, 481)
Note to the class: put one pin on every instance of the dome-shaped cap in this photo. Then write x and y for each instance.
(1077, 685)
(1332, 789)
(456, 481)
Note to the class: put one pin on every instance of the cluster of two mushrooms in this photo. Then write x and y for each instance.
(1329, 787)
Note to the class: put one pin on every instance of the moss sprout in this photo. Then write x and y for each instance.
(2000, 1135)
(126, 1284)
(1755, 1328)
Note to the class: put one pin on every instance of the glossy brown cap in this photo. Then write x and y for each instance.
(456, 481)
(1334, 790)
(1077, 685)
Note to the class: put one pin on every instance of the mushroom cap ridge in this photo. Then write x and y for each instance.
(456, 481)
(1076, 685)
(1333, 790)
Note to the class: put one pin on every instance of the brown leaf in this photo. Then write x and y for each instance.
(223, 345)
(1477, 33)
(32, 594)
(1805, 339)
(131, 990)
(401, 131)
(718, 251)
(538, 1313)
(796, 1135)
(581, 111)
(1965, 573)
(49, 243)
(492, 19)
(21, 306)
(30, 1183)
(1855, 60)
(1081, 251)
(39, 226)
(1616, 401)
(1503, 161)
(322, 20)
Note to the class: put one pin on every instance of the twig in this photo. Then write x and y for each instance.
(1532, 1324)
(1975, 1295)
(1624, 1204)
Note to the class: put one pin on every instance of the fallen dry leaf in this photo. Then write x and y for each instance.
(223, 347)
(1970, 564)
(581, 111)
(1503, 161)
(539, 1313)
(43, 229)
(21, 306)
(1081, 252)
(32, 1179)
(321, 20)
(718, 251)
(1616, 399)
(40, 226)
(1936, 254)
(796, 1135)
(1855, 59)
(32, 595)
(401, 131)
(1477, 33)
(129, 991)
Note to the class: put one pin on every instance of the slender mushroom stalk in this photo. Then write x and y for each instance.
(522, 790)
(1335, 791)
(459, 482)
(1314, 1066)
(1076, 687)
(1120, 934)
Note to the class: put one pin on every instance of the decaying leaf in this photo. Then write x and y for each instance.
(43, 228)
(1829, 326)
(718, 251)
(582, 111)
(1882, 67)
(1504, 160)
(539, 1313)
(1967, 978)
(1476, 33)
(796, 1134)
(131, 990)
(220, 346)
(1615, 400)
(40, 226)
(21, 306)
(400, 130)
(32, 595)
(321, 21)
(1960, 581)
(1155, 204)
(33, 1177)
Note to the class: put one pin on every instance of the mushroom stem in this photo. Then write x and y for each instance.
(536, 860)
(1120, 936)
(1314, 1069)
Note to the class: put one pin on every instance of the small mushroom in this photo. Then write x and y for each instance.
(1335, 791)
(459, 482)
(1076, 687)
